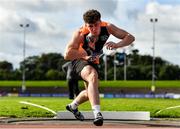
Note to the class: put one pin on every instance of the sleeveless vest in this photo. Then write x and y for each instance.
(94, 46)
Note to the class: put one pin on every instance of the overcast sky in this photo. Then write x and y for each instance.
(52, 23)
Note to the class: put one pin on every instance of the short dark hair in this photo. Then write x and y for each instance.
(91, 16)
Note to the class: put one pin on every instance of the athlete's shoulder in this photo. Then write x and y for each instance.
(77, 32)
(83, 30)
(111, 27)
(103, 23)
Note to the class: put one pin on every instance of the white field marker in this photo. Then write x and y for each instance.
(168, 108)
(39, 106)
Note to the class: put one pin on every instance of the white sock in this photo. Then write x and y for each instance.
(96, 109)
(74, 105)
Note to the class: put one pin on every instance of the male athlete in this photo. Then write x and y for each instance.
(84, 49)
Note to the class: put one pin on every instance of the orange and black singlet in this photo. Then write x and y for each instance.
(97, 46)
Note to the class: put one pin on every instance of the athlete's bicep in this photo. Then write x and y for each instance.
(74, 42)
(73, 45)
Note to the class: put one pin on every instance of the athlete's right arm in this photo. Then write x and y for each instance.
(73, 50)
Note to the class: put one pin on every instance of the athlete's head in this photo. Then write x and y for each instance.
(91, 16)
(92, 19)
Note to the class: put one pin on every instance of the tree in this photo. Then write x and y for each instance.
(169, 72)
(49, 66)
(6, 66)
(133, 73)
(36, 67)
(6, 70)
(52, 74)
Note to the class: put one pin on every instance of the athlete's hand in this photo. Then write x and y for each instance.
(94, 59)
(111, 45)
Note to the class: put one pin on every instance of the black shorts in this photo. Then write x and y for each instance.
(79, 64)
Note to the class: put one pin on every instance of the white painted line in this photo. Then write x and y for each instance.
(39, 106)
(168, 108)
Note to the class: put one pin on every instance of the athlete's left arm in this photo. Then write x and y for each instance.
(125, 37)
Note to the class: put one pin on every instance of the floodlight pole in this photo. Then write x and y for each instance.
(115, 67)
(24, 26)
(125, 65)
(153, 20)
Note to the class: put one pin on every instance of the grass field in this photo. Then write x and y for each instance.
(10, 106)
(161, 84)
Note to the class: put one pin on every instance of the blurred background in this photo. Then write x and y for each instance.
(34, 34)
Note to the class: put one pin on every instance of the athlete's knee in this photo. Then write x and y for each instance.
(86, 94)
(93, 76)
(89, 74)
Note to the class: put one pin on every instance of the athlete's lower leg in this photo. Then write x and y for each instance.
(81, 98)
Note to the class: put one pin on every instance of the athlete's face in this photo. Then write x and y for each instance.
(94, 28)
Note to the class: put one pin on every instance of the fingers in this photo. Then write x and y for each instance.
(110, 45)
(93, 59)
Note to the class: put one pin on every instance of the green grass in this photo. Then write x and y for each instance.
(10, 106)
(34, 83)
(128, 84)
(140, 84)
